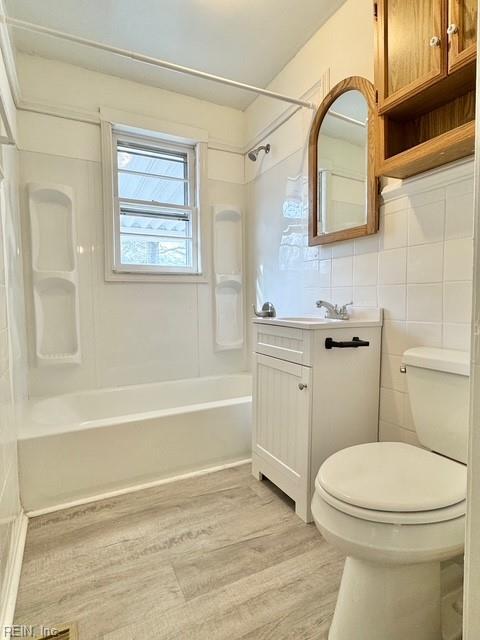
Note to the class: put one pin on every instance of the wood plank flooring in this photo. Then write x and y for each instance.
(220, 557)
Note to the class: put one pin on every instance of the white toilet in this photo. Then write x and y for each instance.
(397, 510)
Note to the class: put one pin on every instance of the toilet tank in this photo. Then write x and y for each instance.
(438, 387)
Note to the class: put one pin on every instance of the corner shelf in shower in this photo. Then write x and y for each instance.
(228, 269)
(54, 274)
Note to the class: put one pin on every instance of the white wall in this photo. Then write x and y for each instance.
(63, 86)
(342, 47)
(418, 268)
(131, 333)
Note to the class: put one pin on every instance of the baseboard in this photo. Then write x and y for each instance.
(14, 569)
(132, 489)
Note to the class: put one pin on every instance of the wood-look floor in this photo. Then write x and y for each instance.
(220, 557)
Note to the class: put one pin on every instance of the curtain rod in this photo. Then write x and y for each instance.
(155, 62)
(341, 116)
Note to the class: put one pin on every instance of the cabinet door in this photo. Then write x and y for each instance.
(282, 405)
(411, 47)
(462, 32)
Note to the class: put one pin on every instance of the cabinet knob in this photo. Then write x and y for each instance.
(435, 41)
(302, 386)
(452, 29)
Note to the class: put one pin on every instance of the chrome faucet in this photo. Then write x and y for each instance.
(268, 311)
(334, 312)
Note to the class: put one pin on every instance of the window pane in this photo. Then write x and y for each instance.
(155, 198)
(154, 162)
(151, 251)
(154, 226)
(152, 189)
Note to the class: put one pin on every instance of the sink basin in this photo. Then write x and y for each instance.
(314, 319)
(302, 322)
(359, 318)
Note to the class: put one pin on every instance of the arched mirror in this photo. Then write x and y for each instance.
(343, 192)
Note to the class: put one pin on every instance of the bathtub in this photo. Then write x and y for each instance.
(91, 444)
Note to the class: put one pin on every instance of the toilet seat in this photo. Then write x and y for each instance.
(394, 517)
(393, 482)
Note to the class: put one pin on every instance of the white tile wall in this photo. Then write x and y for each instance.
(438, 264)
(342, 272)
(458, 259)
(393, 299)
(426, 334)
(425, 263)
(395, 227)
(392, 266)
(459, 220)
(365, 296)
(389, 432)
(418, 268)
(426, 221)
(365, 269)
(424, 302)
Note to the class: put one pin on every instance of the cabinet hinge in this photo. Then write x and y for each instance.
(375, 10)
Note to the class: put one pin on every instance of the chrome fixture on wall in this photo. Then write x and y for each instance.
(268, 311)
(253, 154)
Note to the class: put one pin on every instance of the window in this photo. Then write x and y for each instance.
(155, 224)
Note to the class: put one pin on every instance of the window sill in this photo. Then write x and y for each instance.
(174, 278)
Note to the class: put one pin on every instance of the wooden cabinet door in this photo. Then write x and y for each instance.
(462, 33)
(411, 47)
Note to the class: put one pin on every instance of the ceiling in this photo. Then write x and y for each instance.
(246, 40)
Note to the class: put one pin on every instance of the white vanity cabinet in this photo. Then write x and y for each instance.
(309, 400)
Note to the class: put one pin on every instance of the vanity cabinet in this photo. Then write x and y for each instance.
(310, 401)
(282, 414)
(425, 77)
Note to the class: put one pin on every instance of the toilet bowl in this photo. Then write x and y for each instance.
(397, 511)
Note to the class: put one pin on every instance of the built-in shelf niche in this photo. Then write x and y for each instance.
(417, 141)
(228, 273)
(54, 274)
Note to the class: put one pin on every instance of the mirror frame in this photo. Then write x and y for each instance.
(367, 89)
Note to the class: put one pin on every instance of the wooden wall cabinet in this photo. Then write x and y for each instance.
(462, 32)
(425, 77)
(410, 54)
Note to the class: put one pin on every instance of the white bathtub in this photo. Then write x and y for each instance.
(84, 445)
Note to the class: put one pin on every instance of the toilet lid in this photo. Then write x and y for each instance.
(394, 517)
(393, 476)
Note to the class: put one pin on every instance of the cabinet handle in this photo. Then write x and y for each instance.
(302, 386)
(346, 344)
(452, 29)
(435, 41)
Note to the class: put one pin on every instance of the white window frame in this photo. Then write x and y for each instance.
(189, 209)
(196, 151)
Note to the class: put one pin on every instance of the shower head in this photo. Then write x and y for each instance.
(253, 154)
